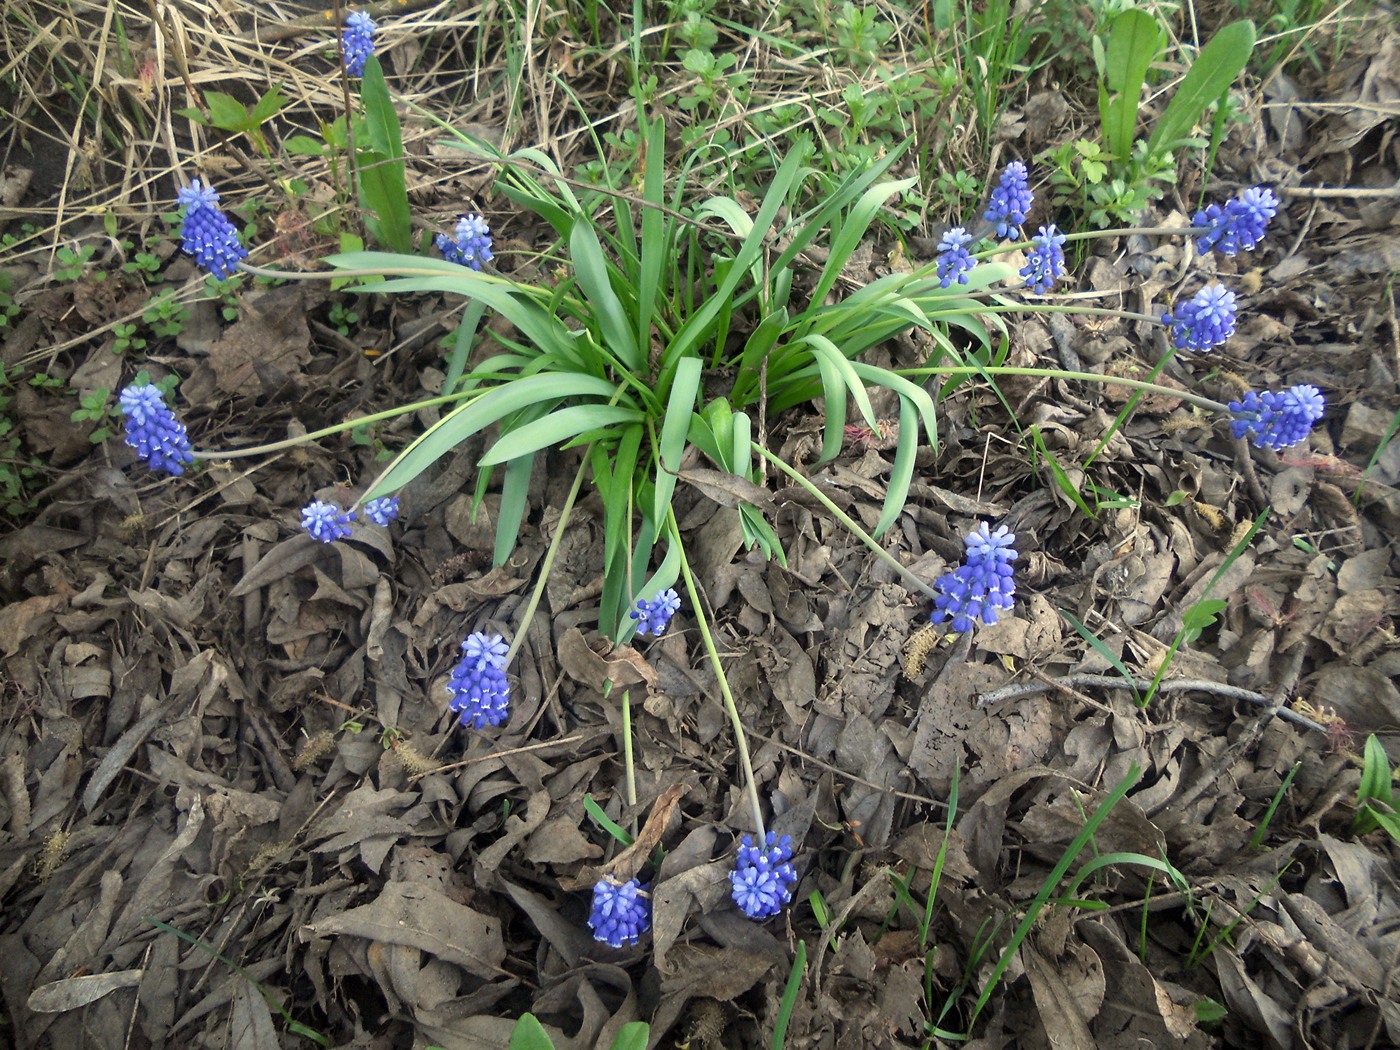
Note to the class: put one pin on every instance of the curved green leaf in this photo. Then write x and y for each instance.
(556, 428)
(1210, 76)
(902, 471)
(685, 388)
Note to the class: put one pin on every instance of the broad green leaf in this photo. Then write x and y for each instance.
(556, 428)
(267, 106)
(383, 185)
(226, 112)
(1134, 39)
(910, 392)
(303, 146)
(529, 1034)
(634, 1036)
(1209, 77)
(825, 350)
(1375, 773)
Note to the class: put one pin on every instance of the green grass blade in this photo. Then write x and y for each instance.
(1104, 651)
(605, 822)
(790, 992)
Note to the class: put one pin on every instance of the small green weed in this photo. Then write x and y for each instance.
(96, 408)
(166, 316)
(1375, 799)
(529, 1034)
(69, 263)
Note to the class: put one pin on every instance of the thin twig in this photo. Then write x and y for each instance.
(1171, 685)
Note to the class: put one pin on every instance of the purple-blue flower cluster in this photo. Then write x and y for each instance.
(206, 233)
(358, 41)
(982, 584)
(954, 260)
(153, 431)
(621, 912)
(1205, 320)
(653, 616)
(1045, 263)
(1278, 419)
(762, 879)
(1240, 223)
(1011, 201)
(478, 684)
(383, 510)
(326, 521)
(470, 245)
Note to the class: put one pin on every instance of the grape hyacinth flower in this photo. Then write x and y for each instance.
(1241, 223)
(982, 584)
(653, 616)
(1011, 201)
(1205, 320)
(954, 260)
(206, 232)
(478, 684)
(153, 431)
(762, 879)
(383, 510)
(471, 245)
(620, 912)
(1045, 262)
(358, 41)
(1277, 420)
(326, 521)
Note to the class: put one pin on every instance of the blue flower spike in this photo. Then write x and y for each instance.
(1240, 223)
(655, 615)
(762, 879)
(1205, 320)
(326, 521)
(358, 40)
(621, 912)
(470, 245)
(383, 510)
(478, 684)
(153, 431)
(984, 583)
(954, 260)
(1011, 201)
(206, 233)
(1045, 262)
(1278, 420)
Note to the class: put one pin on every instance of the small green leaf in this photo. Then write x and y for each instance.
(529, 1034)
(227, 112)
(303, 146)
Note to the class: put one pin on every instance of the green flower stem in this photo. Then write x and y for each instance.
(1093, 235)
(548, 563)
(849, 522)
(339, 428)
(741, 743)
(1060, 373)
(628, 763)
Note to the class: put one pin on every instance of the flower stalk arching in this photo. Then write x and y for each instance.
(732, 709)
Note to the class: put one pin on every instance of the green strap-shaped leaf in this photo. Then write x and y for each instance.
(848, 238)
(591, 269)
(515, 492)
(557, 428)
(1134, 39)
(685, 388)
(902, 470)
(467, 419)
